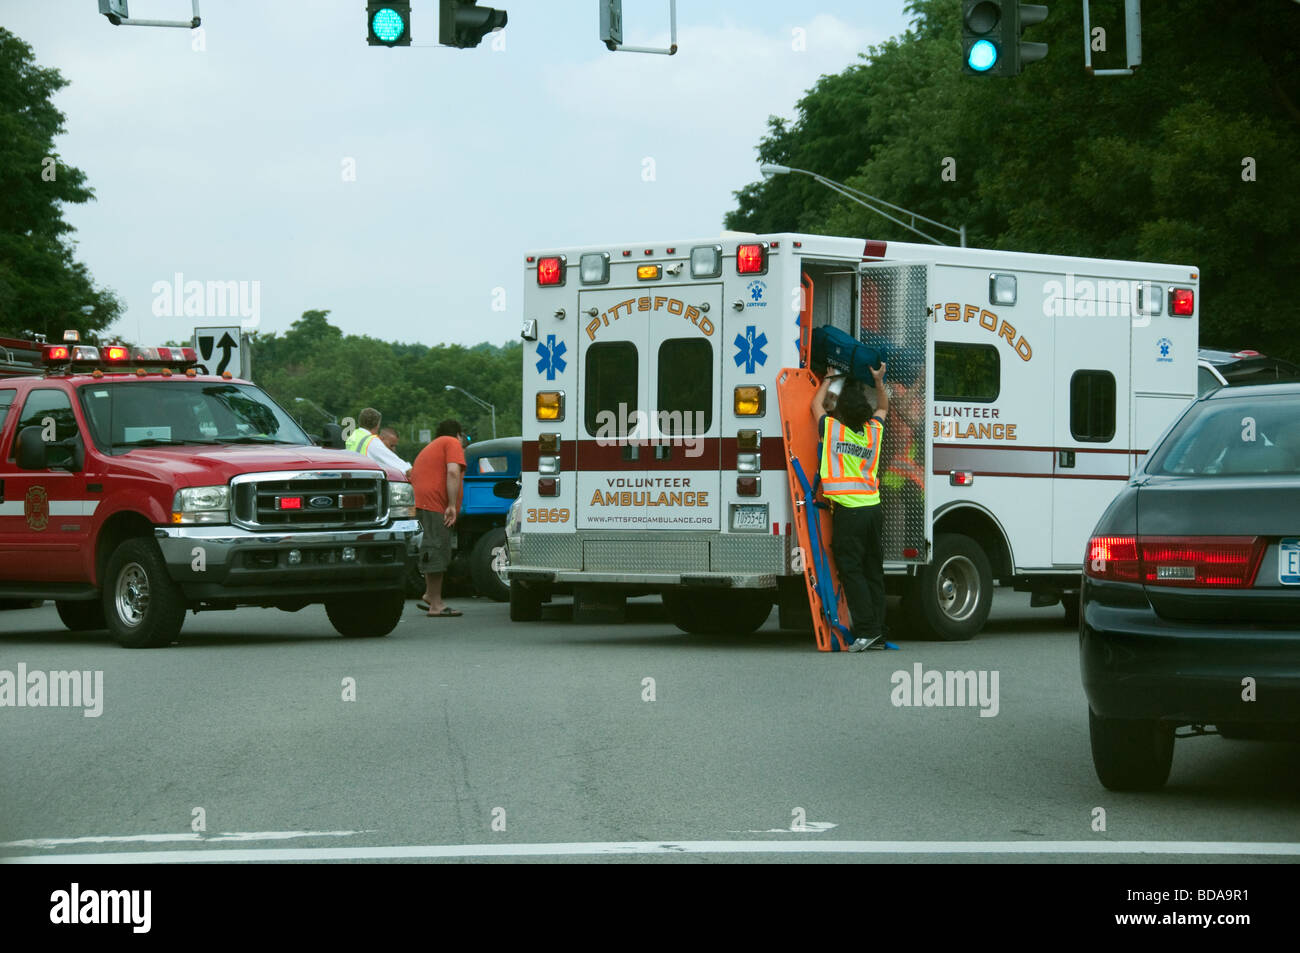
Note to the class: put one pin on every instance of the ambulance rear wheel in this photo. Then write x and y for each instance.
(142, 605)
(81, 616)
(951, 596)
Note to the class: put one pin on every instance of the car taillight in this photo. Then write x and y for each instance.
(1222, 562)
(1112, 557)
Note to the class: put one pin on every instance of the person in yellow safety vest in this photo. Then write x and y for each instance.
(366, 441)
(850, 455)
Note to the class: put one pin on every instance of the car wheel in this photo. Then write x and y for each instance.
(487, 564)
(525, 603)
(952, 595)
(1131, 754)
(366, 617)
(142, 605)
(708, 613)
(414, 582)
(81, 616)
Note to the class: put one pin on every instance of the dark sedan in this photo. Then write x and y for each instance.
(1190, 608)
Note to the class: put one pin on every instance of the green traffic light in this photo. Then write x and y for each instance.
(387, 25)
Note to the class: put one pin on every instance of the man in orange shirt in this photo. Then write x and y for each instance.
(439, 489)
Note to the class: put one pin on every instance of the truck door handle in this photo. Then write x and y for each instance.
(631, 451)
(1065, 459)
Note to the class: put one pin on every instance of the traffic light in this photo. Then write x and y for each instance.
(388, 23)
(463, 23)
(991, 44)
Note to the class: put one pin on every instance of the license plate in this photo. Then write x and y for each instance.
(749, 516)
(1288, 562)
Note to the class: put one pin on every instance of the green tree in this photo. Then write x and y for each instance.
(42, 286)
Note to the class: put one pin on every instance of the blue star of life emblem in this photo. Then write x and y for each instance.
(749, 349)
(551, 359)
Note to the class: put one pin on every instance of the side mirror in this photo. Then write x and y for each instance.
(31, 450)
(332, 437)
(507, 489)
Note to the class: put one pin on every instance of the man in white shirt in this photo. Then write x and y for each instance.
(366, 441)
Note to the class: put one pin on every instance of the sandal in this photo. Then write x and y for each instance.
(447, 612)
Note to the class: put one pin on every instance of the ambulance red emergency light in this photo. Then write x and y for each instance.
(1023, 387)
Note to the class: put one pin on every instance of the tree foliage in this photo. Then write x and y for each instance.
(406, 383)
(1190, 161)
(43, 287)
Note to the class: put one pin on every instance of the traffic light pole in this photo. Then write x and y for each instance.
(611, 29)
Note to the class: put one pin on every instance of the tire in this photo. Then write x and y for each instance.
(143, 608)
(414, 582)
(952, 595)
(1070, 600)
(710, 613)
(487, 564)
(81, 616)
(368, 617)
(525, 603)
(1131, 754)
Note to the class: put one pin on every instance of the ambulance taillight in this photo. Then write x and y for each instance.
(550, 405)
(550, 271)
(1182, 302)
(750, 400)
(751, 258)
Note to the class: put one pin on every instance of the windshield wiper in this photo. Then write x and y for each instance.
(160, 442)
(256, 439)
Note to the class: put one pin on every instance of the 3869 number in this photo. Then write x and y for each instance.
(549, 515)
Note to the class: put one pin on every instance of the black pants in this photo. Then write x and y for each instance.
(859, 557)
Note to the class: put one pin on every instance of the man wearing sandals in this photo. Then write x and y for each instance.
(436, 476)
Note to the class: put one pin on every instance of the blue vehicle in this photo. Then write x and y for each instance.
(492, 469)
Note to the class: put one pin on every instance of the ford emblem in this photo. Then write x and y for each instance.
(321, 502)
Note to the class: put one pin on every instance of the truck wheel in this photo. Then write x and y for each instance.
(368, 617)
(487, 565)
(709, 613)
(142, 606)
(525, 603)
(1131, 754)
(952, 595)
(81, 616)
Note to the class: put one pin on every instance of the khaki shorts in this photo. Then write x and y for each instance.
(435, 550)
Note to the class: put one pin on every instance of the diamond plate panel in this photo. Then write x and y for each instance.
(552, 550)
(894, 301)
(750, 553)
(645, 554)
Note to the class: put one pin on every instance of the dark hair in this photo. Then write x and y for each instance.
(390, 430)
(369, 419)
(853, 409)
(449, 428)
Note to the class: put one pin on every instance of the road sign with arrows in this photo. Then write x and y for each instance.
(222, 349)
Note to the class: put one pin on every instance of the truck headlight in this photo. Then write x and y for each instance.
(401, 501)
(201, 504)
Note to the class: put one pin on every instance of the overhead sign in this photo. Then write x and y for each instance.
(222, 349)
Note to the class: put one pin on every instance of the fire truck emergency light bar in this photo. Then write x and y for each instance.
(117, 355)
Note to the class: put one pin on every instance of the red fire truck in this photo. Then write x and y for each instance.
(135, 486)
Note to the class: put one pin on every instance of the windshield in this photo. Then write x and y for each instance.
(1233, 437)
(124, 414)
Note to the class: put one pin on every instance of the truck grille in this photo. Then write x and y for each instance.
(309, 500)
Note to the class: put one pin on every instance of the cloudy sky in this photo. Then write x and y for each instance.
(400, 189)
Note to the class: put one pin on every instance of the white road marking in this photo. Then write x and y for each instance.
(185, 837)
(440, 851)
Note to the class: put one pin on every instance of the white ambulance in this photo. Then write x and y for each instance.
(1023, 389)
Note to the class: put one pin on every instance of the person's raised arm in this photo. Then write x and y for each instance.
(818, 406)
(882, 395)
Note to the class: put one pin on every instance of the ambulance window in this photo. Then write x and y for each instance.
(969, 372)
(685, 387)
(42, 407)
(1092, 406)
(611, 384)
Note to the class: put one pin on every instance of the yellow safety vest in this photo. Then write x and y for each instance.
(849, 463)
(359, 441)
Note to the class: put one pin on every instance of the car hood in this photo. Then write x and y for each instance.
(212, 466)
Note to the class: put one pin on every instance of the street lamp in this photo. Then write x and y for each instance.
(770, 169)
(481, 403)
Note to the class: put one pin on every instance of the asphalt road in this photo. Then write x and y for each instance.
(473, 737)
